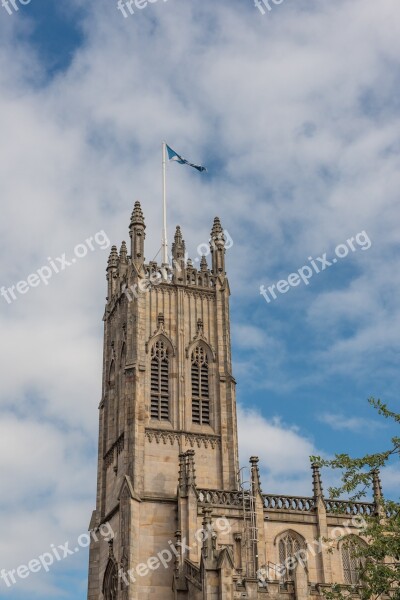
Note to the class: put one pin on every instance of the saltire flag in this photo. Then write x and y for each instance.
(172, 155)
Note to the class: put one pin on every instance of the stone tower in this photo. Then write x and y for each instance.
(167, 413)
(185, 526)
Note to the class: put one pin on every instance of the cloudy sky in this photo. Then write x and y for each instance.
(296, 114)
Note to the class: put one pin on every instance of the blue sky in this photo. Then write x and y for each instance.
(296, 115)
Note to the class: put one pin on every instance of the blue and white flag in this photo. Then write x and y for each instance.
(172, 155)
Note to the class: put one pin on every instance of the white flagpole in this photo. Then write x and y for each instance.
(164, 233)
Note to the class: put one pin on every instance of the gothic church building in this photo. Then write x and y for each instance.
(187, 525)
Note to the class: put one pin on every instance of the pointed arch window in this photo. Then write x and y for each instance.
(289, 546)
(351, 560)
(200, 387)
(110, 586)
(159, 381)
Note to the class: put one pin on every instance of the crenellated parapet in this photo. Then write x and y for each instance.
(188, 275)
(131, 275)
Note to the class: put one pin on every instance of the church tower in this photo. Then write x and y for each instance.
(185, 525)
(167, 417)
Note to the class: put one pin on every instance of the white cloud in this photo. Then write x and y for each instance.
(303, 162)
(49, 474)
(249, 337)
(390, 477)
(284, 452)
(341, 422)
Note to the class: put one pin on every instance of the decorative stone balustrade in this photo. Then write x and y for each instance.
(298, 503)
(285, 503)
(220, 497)
(346, 507)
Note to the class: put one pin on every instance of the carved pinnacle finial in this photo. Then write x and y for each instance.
(178, 235)
(203, 264)
(255, 474)
(113, 258)
(317, 483)
(123, 253)
(137, 217)
(160, 321)
(377, 487)
(178, 249)
(137, 233)
(217, 246)
(217, 228)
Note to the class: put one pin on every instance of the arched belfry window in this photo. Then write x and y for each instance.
(289, 546)
(200, 387)
(110, 586)
(351, 560)
(160, 381)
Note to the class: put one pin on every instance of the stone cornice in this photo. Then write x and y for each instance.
(192, 438)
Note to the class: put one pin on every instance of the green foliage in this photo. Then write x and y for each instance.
(380, 559)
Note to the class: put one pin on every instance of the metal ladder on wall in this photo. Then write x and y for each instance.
(250, 531)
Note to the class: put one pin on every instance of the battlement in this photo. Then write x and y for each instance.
(125, 271)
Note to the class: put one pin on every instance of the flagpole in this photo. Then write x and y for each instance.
(164, 233)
